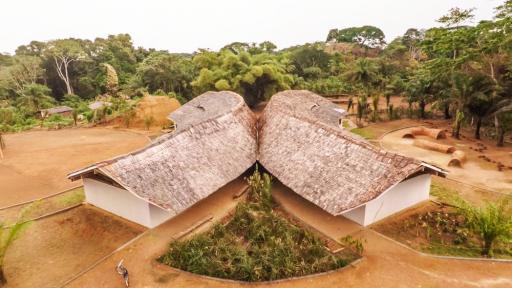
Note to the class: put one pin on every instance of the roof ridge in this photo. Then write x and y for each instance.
(159, 140)
(339, 132)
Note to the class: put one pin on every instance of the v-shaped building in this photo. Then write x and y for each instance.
(299, 139)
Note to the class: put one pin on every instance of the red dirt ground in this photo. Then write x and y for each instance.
(385, 264)
(475, 171)
(36, 163)
(158, 107)
(52, 250)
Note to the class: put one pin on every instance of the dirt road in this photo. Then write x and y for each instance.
(140, 257)
(36, 163)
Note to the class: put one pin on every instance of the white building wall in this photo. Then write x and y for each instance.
(117, 201)
(158, 215)
(398, 198)
(356, 215)
(402, 196)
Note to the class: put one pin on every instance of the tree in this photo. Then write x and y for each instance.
(64, 52)
(332, 35)
(479, 106)
(492, 223)
(502, 119)
(111, 79)
(365, 73)
(169, 72)
(456, 17)
(467, 88)
(256, 77)
(267, 46)
(117, 51)
(23, 71)
(34, 97)
(365, 36)
(412, 39)
(419, 89)
(310, 61)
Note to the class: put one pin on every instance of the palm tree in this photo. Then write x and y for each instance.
(418, 90)
(486, 103)
(479, 106)
(492, 222)
(364, 72)
(482, 100)
(34, 97)
(466, 88)
(502, 119)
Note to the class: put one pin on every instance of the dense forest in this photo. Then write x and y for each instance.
(460, 70)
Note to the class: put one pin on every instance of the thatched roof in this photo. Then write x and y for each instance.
(300, 141)
(98, 104)
(215, 142)
(303, 145)
(57, 110)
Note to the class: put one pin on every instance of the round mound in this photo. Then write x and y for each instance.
(156, 108)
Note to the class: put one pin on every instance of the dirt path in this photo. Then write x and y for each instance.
(385, 262)
(139, 257)
(36, 163)
(50, 250)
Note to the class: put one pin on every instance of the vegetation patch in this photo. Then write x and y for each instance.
(256, 244)
(73, 197)
(444, 230)
(363, 132)
(45, 206)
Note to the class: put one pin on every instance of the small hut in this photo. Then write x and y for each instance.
(98, 105)
(302, 145)
(61, 110)
(214, 142)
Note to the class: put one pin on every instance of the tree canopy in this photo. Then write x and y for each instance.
(459, 68)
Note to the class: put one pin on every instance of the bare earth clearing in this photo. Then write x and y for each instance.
(156, 108)
(475, 171)
(53, 249)
(36, 163)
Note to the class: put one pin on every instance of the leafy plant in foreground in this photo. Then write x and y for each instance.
(9, 233)
(492, 222)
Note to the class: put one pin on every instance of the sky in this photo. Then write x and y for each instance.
(186, 25)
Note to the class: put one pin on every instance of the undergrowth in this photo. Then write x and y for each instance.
(255, 245)
(365, 133)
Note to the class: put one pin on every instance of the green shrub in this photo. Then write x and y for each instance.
(255, 245)
(148, 121)
(57, 121)
(365, 133)
(492, 222)
(14, 120)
